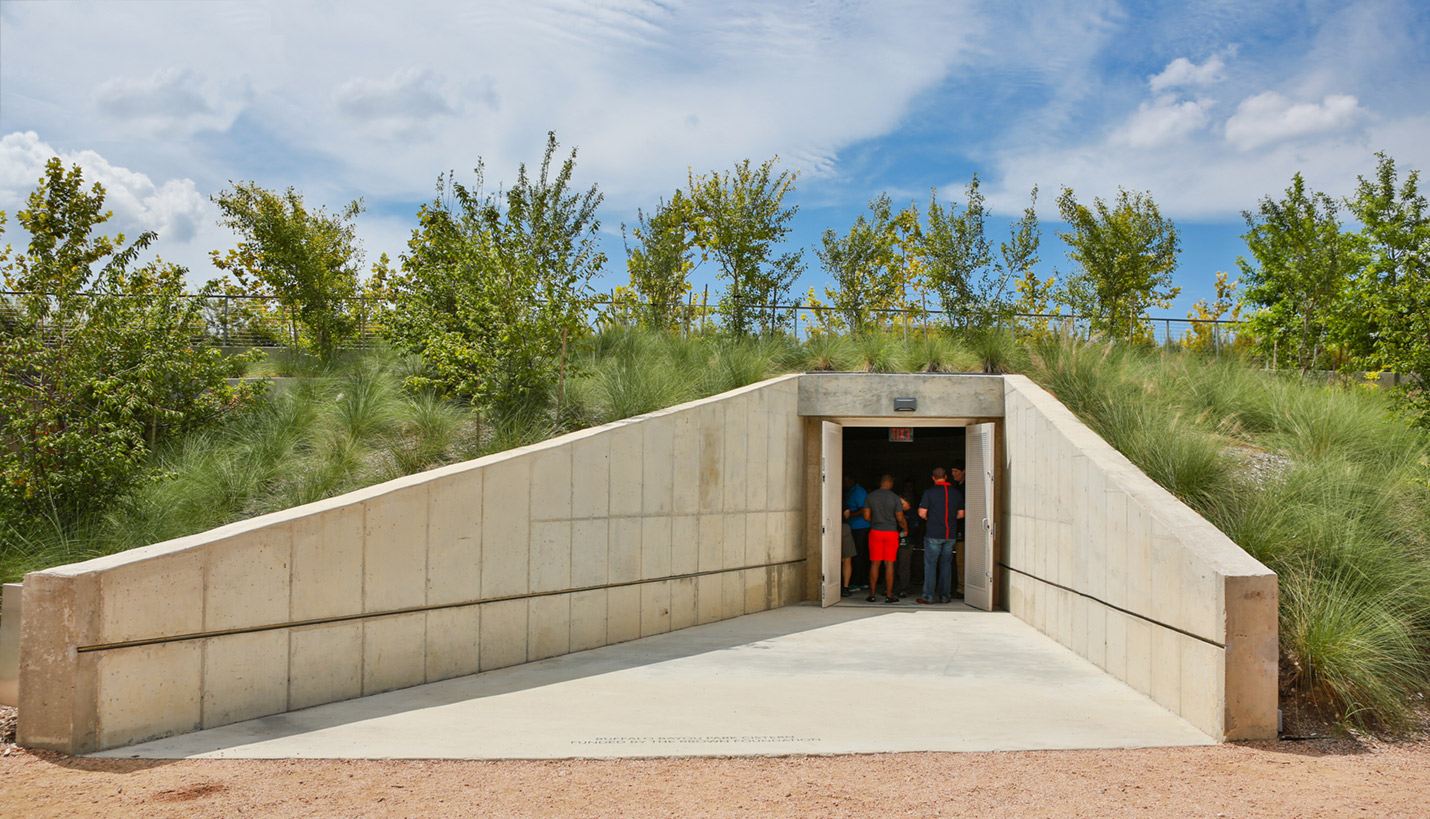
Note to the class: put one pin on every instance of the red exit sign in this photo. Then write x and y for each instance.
(901, 434)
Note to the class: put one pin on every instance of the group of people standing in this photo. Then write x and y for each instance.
(877, 529)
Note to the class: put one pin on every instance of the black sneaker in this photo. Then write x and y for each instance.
(891, 600)
(845, 592)
(869, 599)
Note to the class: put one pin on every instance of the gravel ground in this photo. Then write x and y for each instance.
(1324, 777)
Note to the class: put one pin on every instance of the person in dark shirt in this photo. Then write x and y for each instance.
(885, 512)
(942, 511)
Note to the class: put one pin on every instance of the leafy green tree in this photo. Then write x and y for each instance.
(739, 217)
(1018, 255)
(957, 255)
(1393, 290)
(494, 288)
(1302, 263)
(102, 361)
(977, 288)
(660, 262)
(1125, 253)
(1205, 334)
(308, 260)
(868, 269)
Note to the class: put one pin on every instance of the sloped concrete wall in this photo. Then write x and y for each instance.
(1102, 559)
(685, 516)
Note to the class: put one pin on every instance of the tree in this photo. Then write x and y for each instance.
(660, 263)
(869, 271)
(495, 286)
(975, 287)
(957, 255)
(1303, 264)
(1125, 256)
(102, 362)
(739, 217)
(308, 260)
(1205, 335)
(1393, 290)
(1019, 255)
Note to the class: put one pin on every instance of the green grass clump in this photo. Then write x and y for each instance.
(940, 353)
(827, 352)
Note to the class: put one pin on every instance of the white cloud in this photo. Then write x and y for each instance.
(403, 105)
(1270, 117)
(174, 209)
(1183, 73)
(378, 101)
(171, 102)
(1162, 122)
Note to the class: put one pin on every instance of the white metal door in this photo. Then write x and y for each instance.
(831, 470)
(978, 518)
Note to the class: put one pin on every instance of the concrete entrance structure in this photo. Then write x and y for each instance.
(691, 515)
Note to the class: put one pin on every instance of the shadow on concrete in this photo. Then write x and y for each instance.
(749, 631)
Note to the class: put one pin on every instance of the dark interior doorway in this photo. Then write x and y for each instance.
(869, 453)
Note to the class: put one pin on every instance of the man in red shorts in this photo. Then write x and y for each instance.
(885, 512)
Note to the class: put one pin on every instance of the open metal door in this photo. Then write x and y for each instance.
(978, 518)
(831, 475)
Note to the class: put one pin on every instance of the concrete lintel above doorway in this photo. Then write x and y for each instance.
(899, 421)
(870, 396)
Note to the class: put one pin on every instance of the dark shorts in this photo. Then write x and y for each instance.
(846, 542)
(883, 545)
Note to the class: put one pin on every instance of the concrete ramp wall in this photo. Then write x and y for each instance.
(1107, 562)
(685, 516)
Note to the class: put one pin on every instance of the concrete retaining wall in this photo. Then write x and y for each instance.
(685, 516)
(1108, 563)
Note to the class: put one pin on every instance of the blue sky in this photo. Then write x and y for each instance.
(1207, 105)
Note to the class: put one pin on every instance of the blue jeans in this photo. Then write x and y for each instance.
(938, 569)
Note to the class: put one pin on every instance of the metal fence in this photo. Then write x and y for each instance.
(262, 321)
(801, 320)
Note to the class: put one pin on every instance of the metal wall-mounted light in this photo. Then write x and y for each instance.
(906, 404)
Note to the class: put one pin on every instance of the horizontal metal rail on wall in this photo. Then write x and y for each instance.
(343, 618)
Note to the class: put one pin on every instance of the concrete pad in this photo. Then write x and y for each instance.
(149, 691)
(326, 663)
(327, 564)
(245, 676)
(454, 540)
(780, 682)
(248, 579)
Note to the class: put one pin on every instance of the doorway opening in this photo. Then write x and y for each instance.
(865, 452)
(908, 454)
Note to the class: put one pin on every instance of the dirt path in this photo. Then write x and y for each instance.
(1281, 779)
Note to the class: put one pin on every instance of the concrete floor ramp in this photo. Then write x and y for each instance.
(798, 680)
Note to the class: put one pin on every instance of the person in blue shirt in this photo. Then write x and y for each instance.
(942, 509)
(854, 497)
